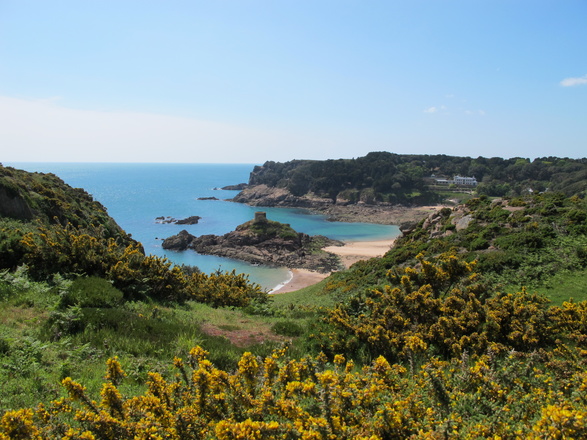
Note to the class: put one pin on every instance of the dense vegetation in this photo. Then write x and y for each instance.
(56, 229)
(515, 243)
(397, 178)
(443, 337)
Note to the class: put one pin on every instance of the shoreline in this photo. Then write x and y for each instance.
(353, 251)
(349, 253)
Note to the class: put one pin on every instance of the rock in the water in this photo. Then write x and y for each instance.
(179, 242)
(238, 187)
(192, 220)
(263, 242)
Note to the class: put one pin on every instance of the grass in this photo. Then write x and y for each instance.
(564, 286)
(38, 347)
(308, 298)
(146, 336)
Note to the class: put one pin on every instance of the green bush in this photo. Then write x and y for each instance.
(91, 292)
(287, 328)
(521, 240)
(478, 244)
(64, 322)
(498, 261)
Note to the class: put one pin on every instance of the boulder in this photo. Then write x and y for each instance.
(192, 220)
(179, 242)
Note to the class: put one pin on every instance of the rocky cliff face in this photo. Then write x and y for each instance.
(263, 195)
(274, 245)
(26, 196)
(13, 205)
(342, 210)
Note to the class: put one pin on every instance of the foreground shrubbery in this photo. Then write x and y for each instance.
(442, 307)
(505, 395)
(68, 250)
(468, 364)
(440, 351)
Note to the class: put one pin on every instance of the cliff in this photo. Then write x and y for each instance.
(45, 197)
(41, 204)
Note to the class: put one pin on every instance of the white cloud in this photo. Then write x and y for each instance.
(436, 109)
(475, 112)
(570, 82)
(42, 130)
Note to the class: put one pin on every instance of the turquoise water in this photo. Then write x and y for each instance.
(136, 194)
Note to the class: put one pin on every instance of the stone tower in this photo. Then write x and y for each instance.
(260, 217)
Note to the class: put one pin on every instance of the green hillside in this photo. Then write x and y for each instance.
(411, 179)
(449, 335)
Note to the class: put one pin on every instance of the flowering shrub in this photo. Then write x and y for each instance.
(69, 250)
(496, 395)
(441, 307)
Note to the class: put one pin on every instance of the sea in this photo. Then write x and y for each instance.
(136, 194)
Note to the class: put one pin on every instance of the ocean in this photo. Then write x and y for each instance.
(136, 194)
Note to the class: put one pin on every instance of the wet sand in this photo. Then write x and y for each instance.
(300, 278)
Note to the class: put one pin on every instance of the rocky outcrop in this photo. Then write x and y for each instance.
(192, 220)
(238, 187)
(263, 195)
(342, 210)
(179, 242)
(263, 242)
(12, 204)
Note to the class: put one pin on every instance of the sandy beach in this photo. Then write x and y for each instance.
(355, 251)
(300, 278)
(350, 253)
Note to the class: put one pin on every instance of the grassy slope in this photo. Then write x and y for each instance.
(32, 362)
(145, 337)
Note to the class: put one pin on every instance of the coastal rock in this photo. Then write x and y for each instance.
(263, 195)
(192, 220)
(178, 242)
(238, 187)
(263, 242)
(463, 222)
(207, 198)
(12, 204)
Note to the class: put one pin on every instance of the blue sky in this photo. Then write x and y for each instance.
(249, 81)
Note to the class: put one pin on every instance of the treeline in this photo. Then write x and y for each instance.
(402, 178)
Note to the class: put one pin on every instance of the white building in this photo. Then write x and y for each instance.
(458, 180)
(468, 181)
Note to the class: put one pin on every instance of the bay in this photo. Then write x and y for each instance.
(135, 194)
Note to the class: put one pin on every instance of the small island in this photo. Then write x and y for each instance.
(263, 241)
(191, 220)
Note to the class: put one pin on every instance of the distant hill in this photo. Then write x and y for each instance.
(382, 177)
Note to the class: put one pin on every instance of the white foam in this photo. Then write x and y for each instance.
(280, 285)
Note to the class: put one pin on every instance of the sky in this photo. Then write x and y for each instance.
(247, 81)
